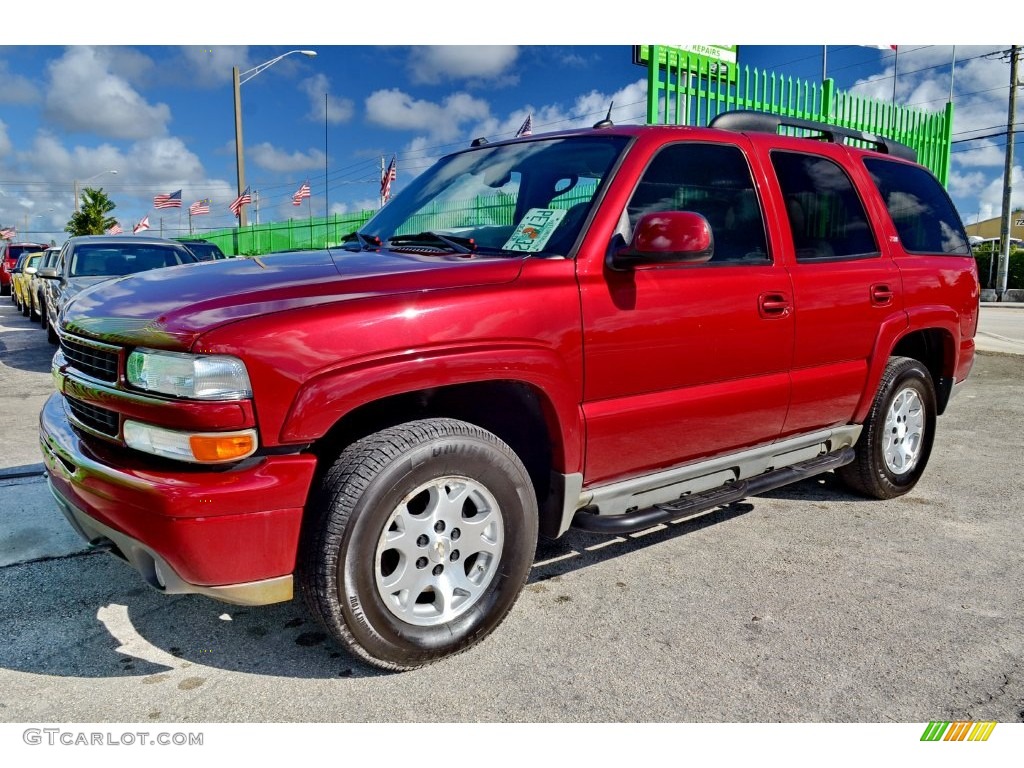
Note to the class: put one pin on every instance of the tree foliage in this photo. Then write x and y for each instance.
(93, 218)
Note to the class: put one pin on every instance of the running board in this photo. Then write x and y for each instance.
(688, 506)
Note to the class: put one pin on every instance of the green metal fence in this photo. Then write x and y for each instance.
(291, 235)
(682, 90)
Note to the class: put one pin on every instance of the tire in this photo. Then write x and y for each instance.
(43, 320)
(51, 334)
(896, 442)
(398, 601)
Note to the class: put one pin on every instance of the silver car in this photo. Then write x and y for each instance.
(89, 259)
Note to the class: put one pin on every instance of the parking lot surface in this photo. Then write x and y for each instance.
(804, 605)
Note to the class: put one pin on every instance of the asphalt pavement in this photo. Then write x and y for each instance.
(804, 605)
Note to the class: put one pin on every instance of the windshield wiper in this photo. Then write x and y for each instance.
(357, 241)
(453, 242)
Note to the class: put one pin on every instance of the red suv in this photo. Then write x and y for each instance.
(606, 329)
(9, 253)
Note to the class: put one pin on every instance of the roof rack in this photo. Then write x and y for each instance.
(764, 122)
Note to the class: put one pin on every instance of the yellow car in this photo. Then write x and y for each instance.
(20, 277)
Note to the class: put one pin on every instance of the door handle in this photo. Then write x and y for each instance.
(881, 294)
(773, 305)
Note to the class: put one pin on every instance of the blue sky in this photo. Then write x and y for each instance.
(161, 113)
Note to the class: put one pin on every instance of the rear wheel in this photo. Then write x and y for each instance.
(894, 447)
(420, 540)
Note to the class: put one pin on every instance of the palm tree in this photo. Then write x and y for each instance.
(93, 218)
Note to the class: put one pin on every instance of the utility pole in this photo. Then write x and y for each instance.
(1002, 273)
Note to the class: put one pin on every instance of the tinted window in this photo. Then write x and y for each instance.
(923, 214)
(826, 216)
(714, 181)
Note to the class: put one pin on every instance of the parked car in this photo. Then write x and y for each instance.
(37, 285)
(24, 271)
(14, 273)
(89, 259)
(9, 254)
(204, 250)
(640, 324)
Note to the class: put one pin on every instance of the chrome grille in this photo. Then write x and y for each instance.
(99, 419)
(100, 361)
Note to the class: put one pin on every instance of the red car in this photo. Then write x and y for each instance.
(9, 253)
(605, 329)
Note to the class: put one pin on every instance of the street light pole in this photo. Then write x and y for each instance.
(239, 154)
(237, 79)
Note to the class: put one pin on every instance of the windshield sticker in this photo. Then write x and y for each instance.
(535, 230)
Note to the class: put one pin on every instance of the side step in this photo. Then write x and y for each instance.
(688, 506)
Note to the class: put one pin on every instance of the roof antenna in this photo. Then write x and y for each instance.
(607, 122)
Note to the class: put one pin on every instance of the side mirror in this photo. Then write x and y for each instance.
(48, 272)
(669, 237)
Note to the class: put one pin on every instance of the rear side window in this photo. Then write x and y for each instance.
(826, 216)
(925, 218)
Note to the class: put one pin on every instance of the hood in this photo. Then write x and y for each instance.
(75, 285)
(170, 307)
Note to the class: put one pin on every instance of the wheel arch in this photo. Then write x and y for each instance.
(520, 414)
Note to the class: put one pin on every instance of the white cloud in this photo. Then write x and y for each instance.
(437, 63)
(16, 89)
(270, 158)
(85, 95)
(337, 109)
(399, 111)
(210, 65)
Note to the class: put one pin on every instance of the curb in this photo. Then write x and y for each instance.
(14, 473)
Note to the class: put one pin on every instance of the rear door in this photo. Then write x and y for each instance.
(845, 284)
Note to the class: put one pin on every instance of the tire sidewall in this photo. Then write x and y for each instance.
(909, 374)
(370, 621)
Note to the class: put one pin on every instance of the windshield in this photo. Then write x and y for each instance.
(525, 197)
(105, 261)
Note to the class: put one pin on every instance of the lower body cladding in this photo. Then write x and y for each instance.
(229, 534)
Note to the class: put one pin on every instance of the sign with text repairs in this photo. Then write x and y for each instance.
(534, 231)
(705, 59)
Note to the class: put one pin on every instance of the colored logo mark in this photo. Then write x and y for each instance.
(961, 730)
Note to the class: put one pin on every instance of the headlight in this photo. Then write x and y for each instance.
(197, 377)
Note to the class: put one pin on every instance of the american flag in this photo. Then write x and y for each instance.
(243, 199)
(527, 127)
(7, 234)
(385, 181)
(141, 226)
(116, 229)
(199, 207)
(302, 193)
(172, 200)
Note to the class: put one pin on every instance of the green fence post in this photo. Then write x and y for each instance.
(828, 98)
(653, 72)
(947, 143)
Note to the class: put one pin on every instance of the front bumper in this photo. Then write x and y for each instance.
(230, 533)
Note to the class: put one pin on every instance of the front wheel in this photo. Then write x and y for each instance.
(419, 542)
(896, 441)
